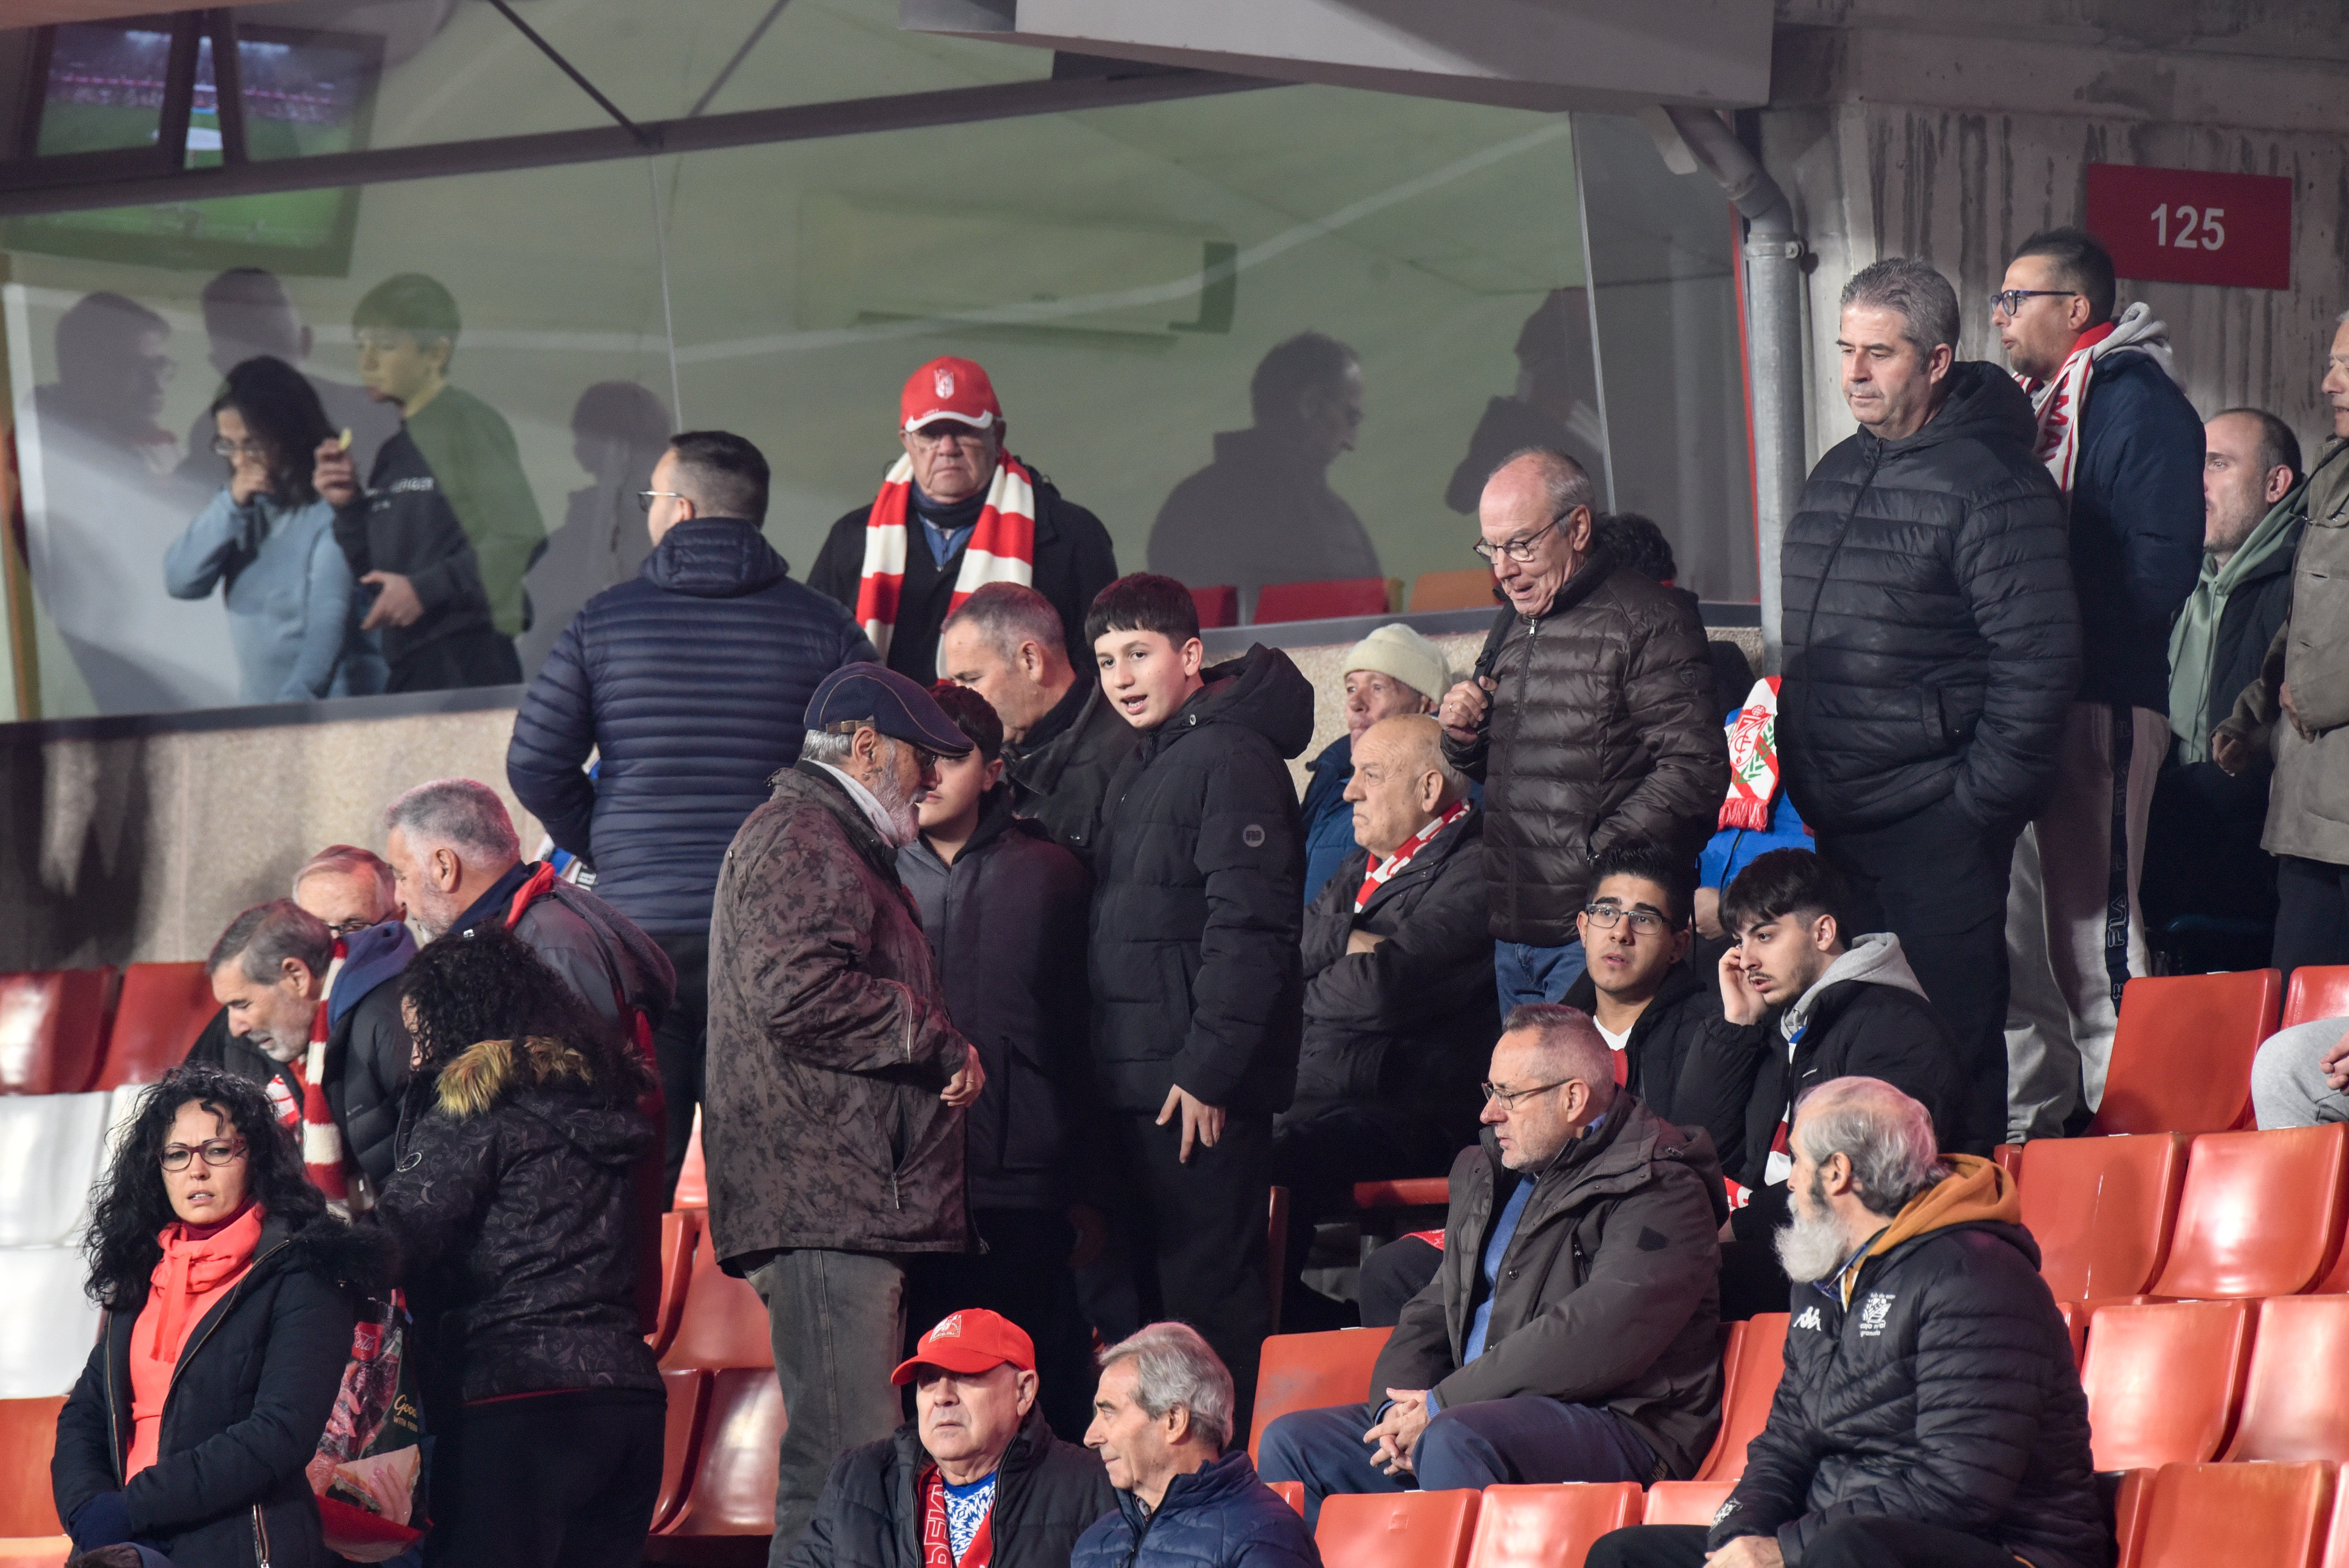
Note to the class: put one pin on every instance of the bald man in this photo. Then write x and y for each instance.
(1573, 1331)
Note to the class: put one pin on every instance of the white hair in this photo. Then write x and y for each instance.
(1173, 1365)
(1887, 1135)
(464, 813)
(822, 746)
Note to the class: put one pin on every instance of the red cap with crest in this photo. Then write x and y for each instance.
(971, 1341)
(949, 388)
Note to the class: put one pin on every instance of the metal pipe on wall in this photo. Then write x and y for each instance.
(1773, 339)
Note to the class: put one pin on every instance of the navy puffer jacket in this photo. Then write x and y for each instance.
(691, 683)
(1220, 1516)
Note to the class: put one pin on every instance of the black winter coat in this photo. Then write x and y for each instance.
(1411, 1022)
(689, 683)
(1944, 1394)
(514, 1206)
(1194, 951)
(2136, 527)
(1220, 1516)
(403, 522)
(870, 1515)
(1602, 732)
(1005, 923)
(255, 1384)
(1662, 1042)
(1932, 641)
(1060, 770)
(1074, 560)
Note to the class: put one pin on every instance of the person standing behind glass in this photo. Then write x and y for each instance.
(268, 543)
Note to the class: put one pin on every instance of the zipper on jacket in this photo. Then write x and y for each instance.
(226, 1307)
(1819, 588)
(113, 1430)
(260, 1538)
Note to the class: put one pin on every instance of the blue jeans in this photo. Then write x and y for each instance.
(1535, 974)
(1526, 1439)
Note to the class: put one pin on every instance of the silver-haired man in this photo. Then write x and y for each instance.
(1930, 1416)
(1163, 1418)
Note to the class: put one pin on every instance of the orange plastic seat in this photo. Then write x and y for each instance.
(2317, 991)
(1292, 1493)
(693, 1176)
(1397, 1530)
(28, 1436)
(680, 1235)
(53, 1029)
(1686, 1501)
(2260, 1214)
(1549, 1526)
(2131, 1498)
(1311, 1371)
(722, 1322)
(2337, 1536)
(733, 1489)
(2246, 1516)
(2290, 1409)
(1470, 589)
(1322, 601)
(2162, 1381)
(1218, 606)
(2075, 1324)
(2182, 1054)
(1409, 1193)
(2101, 1209)
(161, 1008)
(1745, 1401)
(688, 1401)
(2009, 1159)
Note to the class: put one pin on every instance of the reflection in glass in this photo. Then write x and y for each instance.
(618, 431)
(105, 88)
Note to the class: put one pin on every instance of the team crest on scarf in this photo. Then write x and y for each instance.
(1753, 760)
(1002, 547)
(2058, 402)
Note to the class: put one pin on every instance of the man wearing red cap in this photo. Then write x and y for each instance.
(975, 1480)
(956, 512)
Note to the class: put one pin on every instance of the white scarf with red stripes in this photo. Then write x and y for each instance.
(322, 1140)
(2059, 403)
(1002, 547)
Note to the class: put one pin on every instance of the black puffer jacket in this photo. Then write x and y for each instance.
(1194, 951)
(1662, 1043)
(1939, 1390)
(1218, 1516)
(1602, 732)
(1005, 924)
(690, 684)
(1060, 770)
(255, 1386)
(514, 1207)
(870, 1516)
(1933, 639)
(1412, 1021)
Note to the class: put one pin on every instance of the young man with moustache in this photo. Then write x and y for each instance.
(1197, 987)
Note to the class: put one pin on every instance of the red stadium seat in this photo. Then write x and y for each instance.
(2009, 1159)
(680, 1234)
(2260, 1214)
(2075, 1324)
(29, 1436)
(733, 1492)
(1686, 1501)
(161, 1009)
(2246, 1516)
(1549, 1526)
(2181, 1058)
(688, 1401)
(1411, 1192)
(2317, 991)
(723, 1323)
(2290, 1411)
(2101, 1209)
(2337, 1536)
(1322, 601)
(2132, 1495)
(2162, 1381)
(1745, 1402)
(1397, 1530)
(1218, 606)
(53, 1029)
(693, 1177)
(1470, 589)
(1309, 1371)
(1292, 1493)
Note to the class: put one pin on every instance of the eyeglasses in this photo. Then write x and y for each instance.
(1607, 916)
(645, 499)
(349, 927)
(2006, 302)
(225, 448)
(1510, 1096)
(930, 438)
(219, 1151)
(1517, 549)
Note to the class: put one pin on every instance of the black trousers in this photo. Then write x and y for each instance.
(1393, 1276)
(1319, 1151)
(2311, 913)
(1206, 1223)
(476, 658)
(556, 1478)
(1939, 883)
(682, 1045)
(1022, 1272)
(1867, 1542)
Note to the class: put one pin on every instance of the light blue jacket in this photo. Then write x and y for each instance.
(292, 615)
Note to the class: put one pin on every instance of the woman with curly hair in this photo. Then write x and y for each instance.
(268, 543)
(229, 1294)
(515, 1198)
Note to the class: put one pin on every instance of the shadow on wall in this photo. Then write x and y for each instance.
(74, 854)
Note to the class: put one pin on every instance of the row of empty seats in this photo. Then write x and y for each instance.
(67, 1031)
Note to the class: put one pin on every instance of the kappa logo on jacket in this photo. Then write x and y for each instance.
(1810, 1320)
(1872, 1314)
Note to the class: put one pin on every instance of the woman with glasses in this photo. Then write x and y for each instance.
(268, 543)
(230, 1294)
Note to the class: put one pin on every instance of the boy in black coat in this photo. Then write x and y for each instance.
(1197, 985)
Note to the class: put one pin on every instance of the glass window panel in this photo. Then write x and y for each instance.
(105, 88)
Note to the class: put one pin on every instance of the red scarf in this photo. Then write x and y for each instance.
(1753, 760)
(322, 1140)
(1384, 870)
(937, 1542)
(2059, 400)
(1002, 547)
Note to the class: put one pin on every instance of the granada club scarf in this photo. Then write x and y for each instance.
(322, 1140)
(1002, 547)
(2059, 402)
(1753, 760)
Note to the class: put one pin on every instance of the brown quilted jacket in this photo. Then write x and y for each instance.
(828, 1043)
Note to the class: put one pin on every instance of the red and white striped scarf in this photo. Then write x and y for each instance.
(1378, 875)
(2059, 402)
(322, 1140)
(1002, 547)
(1753, 760)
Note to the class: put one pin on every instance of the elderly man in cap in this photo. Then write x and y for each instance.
(956, 512)
(976, 1479)
(832, 1120)
(1392, 671)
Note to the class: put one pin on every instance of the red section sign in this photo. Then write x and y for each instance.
(2193, 226)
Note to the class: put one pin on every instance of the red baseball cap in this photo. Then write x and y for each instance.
(970, 1341)
(949, 388)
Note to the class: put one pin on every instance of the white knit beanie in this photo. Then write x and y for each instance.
(1394, 649)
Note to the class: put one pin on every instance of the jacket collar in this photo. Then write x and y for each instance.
(1613, 1159)
(1216, 1482)
(822, 789)
(1679, 982)
(1432, 855)
(714, 558)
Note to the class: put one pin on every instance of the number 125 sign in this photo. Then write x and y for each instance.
(2193, 226)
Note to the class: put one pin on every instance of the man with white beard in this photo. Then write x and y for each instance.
(833, 1116)
(1929, 1415)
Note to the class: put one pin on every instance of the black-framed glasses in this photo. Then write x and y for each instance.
(350, 927)
(2006, 302)
(223, 447)
(645, 499)
(1517, 549)
(1510, 1096)
(216, 1151)
(1607, 916)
